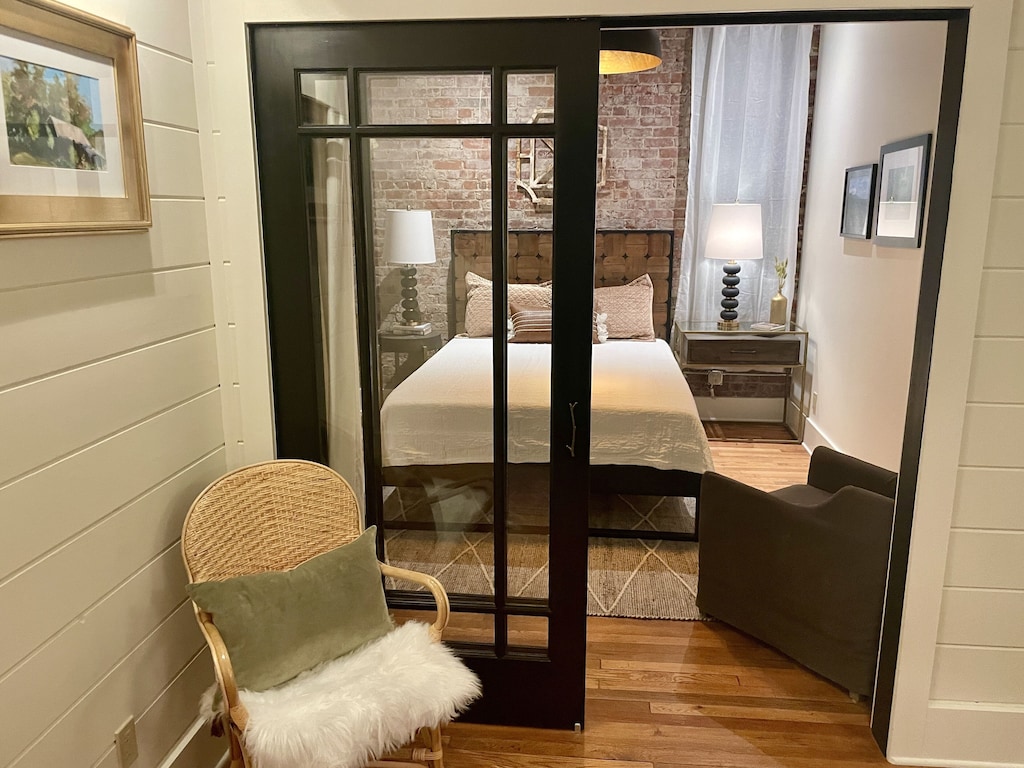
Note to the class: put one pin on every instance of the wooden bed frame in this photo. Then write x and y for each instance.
(620, 257)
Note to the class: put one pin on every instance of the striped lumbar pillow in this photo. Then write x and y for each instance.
(530, 325)
(533, 325)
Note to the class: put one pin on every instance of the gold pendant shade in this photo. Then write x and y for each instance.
(629, 50)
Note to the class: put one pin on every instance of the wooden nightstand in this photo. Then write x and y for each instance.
(702, 347)
(415, 348)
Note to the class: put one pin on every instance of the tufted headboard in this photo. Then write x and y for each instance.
(620, 255)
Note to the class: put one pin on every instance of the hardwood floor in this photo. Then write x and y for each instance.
(668, 694)
(662, 694)
(747, 431)
(767, 466)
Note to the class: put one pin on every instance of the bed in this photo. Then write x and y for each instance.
(646, 435)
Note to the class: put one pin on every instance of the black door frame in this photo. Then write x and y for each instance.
(957, 20)
(278, 52)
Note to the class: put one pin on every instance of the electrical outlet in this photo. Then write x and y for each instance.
(127, 744)
(814, 403)
(714, 378)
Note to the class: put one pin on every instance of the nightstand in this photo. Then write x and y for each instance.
(415, 348)
(703, 348)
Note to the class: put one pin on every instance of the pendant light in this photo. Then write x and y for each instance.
(629, 50)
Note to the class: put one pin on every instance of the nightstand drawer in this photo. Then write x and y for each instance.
(739, 350)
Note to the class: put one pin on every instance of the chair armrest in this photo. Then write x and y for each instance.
(436, 589)
(831, 470)
(222, 668)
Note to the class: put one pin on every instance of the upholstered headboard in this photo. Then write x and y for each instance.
(620, 255)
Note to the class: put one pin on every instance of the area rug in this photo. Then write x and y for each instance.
(632, 578)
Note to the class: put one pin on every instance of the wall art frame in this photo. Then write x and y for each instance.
(72, 155)
(902, 189)
(858, 201)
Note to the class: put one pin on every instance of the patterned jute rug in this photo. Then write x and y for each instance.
(633, 578)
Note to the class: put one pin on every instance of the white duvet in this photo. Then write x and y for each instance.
(642, 411)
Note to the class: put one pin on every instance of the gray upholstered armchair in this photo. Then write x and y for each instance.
(803, 568)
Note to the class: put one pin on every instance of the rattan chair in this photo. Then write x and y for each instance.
(272, 517)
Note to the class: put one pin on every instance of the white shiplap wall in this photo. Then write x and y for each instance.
(111, 423)
(979, 659)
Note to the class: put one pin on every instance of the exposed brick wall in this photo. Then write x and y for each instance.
(745, 385)
(648, 119)
(451, 178)
(647, 116)
(812, 90)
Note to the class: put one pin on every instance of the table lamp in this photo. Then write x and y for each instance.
(408, 241)
(734, 234)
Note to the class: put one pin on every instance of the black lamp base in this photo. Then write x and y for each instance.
(410, 303)
(730, 280)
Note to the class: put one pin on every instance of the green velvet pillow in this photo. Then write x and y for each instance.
(278, 624)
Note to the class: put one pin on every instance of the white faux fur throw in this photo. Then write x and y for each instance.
(351, 710)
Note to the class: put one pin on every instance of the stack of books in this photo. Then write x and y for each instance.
(420, 329)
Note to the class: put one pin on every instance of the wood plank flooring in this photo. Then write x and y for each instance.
(664, 694)
(768, 466)
(747, 431)
(669, 694)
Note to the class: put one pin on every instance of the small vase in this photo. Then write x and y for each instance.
(778, 314)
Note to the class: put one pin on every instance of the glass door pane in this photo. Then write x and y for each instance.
(529, 242)
(436, 391)
(426, 98)
(329, 181)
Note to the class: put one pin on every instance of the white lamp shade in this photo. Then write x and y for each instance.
(408, 237)
(734, 232)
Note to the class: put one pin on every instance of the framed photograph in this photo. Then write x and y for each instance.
(902, 188)
(858, 201)
(71, 147)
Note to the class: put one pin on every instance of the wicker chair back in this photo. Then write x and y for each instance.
(268, 517)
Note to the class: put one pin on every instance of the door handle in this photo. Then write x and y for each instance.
(572, 443)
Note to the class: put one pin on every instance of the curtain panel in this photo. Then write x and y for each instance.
(748, 130)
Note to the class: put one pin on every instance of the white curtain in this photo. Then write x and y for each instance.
(332, 183)
(748, 129)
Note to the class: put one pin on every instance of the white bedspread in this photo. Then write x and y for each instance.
(642, 411)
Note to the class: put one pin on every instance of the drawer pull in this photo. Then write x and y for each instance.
(742, 351)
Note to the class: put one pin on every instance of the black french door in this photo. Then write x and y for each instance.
(489, 126)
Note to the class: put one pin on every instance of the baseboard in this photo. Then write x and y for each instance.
(741, 408)
(795, 420)
(813, 437)
(197, 748)
(927, 763)
(968, 735)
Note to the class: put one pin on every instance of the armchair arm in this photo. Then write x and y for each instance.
(831, 470)
(222, 667)
(436, 589)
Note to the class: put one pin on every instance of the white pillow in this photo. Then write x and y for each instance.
(478, 301)
(628, 308)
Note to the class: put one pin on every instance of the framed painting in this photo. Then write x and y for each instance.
(902, 188)
(858, 201)
(72, 158)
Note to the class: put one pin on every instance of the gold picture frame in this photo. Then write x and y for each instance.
(72, 154)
